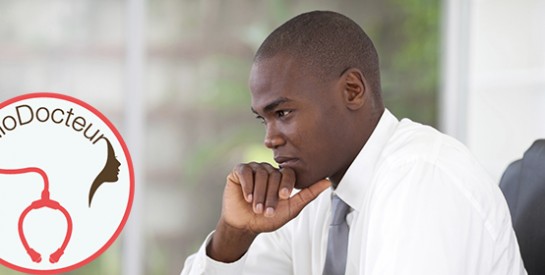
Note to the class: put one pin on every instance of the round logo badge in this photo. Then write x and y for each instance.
(66, 183)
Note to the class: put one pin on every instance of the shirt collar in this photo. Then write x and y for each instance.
(355, 182)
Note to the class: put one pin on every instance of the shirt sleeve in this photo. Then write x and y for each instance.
(199, 263)
(268, 254)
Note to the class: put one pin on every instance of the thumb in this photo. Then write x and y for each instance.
(305, 196)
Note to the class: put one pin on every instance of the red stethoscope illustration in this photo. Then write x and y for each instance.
(44, 201)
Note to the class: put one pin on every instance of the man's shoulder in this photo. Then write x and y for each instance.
(414, 141)
(419, 163)
(415, 145)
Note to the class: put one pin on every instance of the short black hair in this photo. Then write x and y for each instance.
(327, 43)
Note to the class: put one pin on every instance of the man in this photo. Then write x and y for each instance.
(403, 198)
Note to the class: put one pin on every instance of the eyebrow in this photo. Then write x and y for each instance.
(271, 106)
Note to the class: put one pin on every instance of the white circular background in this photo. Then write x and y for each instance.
(72, 162)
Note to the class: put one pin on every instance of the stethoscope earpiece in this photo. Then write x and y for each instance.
(46, 202)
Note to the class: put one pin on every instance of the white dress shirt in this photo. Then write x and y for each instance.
(421, 205)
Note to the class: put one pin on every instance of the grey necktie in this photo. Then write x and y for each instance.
(337, 242)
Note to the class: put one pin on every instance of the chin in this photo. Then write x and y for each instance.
(304, 182)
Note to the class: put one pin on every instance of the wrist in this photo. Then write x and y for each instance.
(228, 243)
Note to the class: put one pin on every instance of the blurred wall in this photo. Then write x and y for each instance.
(494, 97)
(192, 100)
(196, 119)
(507, 80)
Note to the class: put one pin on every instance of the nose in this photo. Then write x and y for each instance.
(273, 137)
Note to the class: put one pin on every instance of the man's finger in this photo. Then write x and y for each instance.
(272, 193)
(287, 183)
(245, 176)
(305, 196)
(261, 177)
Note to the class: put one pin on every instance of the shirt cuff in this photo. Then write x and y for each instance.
(200, 263)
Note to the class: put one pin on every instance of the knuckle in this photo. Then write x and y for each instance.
(265, 166)
(304, 197)
(241, 168)
(261, 172)
(231, 177)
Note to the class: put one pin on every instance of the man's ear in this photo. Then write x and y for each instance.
(355, 89)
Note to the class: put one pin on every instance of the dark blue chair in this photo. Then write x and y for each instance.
(523, 184)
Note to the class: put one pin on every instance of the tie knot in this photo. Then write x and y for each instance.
(340, 210)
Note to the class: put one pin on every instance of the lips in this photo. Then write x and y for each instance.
(285, 161)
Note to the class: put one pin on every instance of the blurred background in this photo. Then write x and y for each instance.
(172, 76)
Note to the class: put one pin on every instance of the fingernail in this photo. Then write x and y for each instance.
(249, 198)
(259, 208)
(269, 212)
(285, 193)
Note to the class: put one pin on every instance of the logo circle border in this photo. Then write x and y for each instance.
(131, 176)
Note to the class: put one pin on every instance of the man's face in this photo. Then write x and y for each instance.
(303, 117)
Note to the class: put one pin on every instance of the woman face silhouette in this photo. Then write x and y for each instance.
(108, 174)
(111, 169)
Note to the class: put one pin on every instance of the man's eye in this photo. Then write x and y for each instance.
(283, 113)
